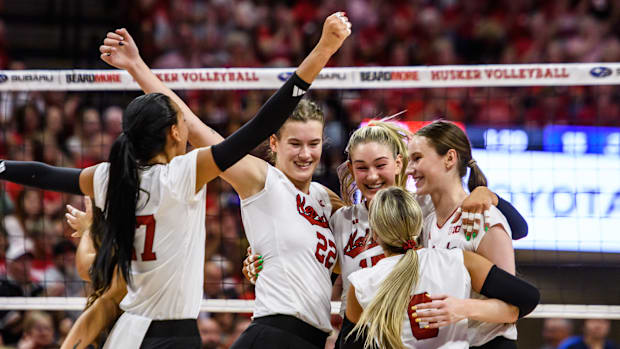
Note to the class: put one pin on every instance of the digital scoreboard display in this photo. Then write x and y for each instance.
(570, 201)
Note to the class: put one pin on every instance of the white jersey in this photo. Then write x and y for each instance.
(451, 236)
(356, 248)
(290, 229)
(167, 270)
(441, 272)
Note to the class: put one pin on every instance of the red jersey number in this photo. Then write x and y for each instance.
(147, 254)
(373, 261)
(321, 247)
(418, 332)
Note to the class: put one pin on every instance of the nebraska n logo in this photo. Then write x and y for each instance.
(297, 91)
(358, 244)
(309, 213)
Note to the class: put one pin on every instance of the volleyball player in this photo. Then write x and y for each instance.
(250, 175)
(286, 220)
(440, 154)
(377, 158)
(149, 183)
(384, 301)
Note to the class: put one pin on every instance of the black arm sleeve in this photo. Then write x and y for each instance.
(517, 223)
(42, 176)
(509, 288)
(351, 342)
(267, 121)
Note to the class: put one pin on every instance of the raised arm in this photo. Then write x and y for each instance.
(43, 176)
(120, 50)
(249, 178)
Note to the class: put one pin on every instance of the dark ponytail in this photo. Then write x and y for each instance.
(476, 177)
(443, 136)
(146, 122)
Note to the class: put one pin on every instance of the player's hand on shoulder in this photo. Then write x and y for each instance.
(335, 30)
(474, 211)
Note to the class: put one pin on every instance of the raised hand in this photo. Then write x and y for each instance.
(80, 221)
(119, 50)
(335, 30)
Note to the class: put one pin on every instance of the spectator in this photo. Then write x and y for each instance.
(210, 333)
(38, 331)
(62, 279)
(555, 331)
(87, 144)
(17, 282)
(213, 282)
(595, 332)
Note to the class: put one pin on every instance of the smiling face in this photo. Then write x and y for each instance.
(426, 167)
(374, 167)
(298, 150)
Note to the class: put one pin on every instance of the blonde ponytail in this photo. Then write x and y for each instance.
(396, 219)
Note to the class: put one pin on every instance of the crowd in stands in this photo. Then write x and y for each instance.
(37, 252)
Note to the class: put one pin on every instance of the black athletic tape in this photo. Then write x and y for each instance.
(42, 176)
(509, 288)
(271, 116)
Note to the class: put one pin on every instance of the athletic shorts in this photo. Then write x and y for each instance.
(280, 332)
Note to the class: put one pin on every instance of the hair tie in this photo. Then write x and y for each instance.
(409, 245)
(471, 163)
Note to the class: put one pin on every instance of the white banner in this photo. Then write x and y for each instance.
(571, 202)
(330, 78)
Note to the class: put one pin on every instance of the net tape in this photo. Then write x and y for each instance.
(572, 74)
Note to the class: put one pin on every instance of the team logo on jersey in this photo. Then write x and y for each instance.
(358, 244)
(310, 214)
(454, 230)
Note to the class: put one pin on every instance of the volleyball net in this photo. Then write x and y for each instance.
(547, 137)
